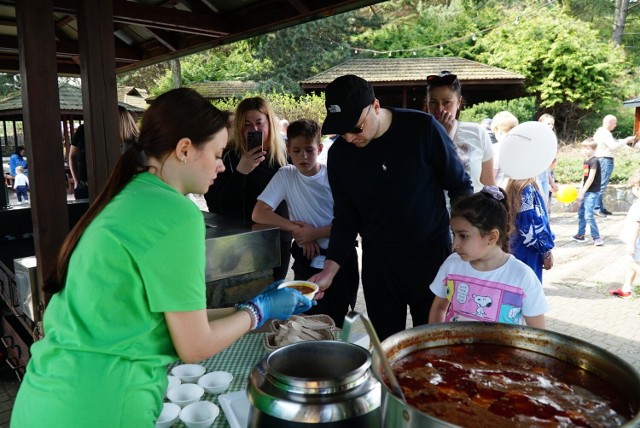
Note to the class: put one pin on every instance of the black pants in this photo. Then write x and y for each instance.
(344, 288)
(393, 278)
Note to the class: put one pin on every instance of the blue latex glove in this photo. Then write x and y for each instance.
(273, 286)
(281, 304)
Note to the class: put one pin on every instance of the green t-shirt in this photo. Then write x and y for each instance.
(102, 361)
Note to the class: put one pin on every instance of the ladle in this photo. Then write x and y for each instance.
(349, 319)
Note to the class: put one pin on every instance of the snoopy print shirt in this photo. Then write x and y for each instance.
(505, 294)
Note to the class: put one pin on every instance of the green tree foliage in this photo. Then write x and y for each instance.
(146, 77)
(296, 53)
(567, 67)
(9, 84)
(229, 62)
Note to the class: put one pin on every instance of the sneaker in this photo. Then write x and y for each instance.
(600, 214)
(598, 242)
(606, 211)
(620, 293)
(579, 238)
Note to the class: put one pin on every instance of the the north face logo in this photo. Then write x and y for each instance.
(334, 109)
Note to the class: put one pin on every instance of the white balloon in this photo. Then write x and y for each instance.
(527, 150)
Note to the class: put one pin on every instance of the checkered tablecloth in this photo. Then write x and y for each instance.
(239, 359)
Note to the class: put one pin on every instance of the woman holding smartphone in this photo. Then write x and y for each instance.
(248, 170)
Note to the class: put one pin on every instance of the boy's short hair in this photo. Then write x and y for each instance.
(19, 168)
(589, 142)
(307, 128)
(504, 121)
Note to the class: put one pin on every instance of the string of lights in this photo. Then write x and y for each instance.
(473, 36)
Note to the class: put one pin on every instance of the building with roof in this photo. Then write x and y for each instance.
(133, 96)
(401, 82)
(224, 89)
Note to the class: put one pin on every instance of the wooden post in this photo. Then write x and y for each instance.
(41, 113)
(99, 92)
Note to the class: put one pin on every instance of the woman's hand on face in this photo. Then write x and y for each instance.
(447, 120)
(250, 160)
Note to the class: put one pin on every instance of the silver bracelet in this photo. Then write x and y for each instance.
(252, 313)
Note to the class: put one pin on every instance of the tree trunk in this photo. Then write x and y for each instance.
(619, 19)
(176, 73)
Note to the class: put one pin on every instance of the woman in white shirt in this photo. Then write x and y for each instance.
(471, 141)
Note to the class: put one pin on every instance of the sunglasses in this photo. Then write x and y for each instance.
(359, 128)
(443, 78)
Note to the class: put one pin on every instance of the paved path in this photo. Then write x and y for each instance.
(576, 289)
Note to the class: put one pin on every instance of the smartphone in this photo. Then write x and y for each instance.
(254, 139)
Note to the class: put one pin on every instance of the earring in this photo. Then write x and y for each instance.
(183, 160)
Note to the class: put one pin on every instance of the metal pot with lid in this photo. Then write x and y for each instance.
(316, 382)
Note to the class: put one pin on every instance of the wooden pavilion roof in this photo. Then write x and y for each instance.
(146, 32)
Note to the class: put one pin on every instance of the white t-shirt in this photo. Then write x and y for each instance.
(309, 199)
(501, 295)
(20, 179)
(473, 145)
(630, 226)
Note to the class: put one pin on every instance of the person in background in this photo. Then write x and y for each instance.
(284, 124)
(129, 292)
(128, 129)
(486, 124)
(630, 236)
(607, 146)
(501, 124)
(470, 140)
(531, 239)
(17, 159)
(589, 193)
(543, 180)
(305, 187)
(247, 172)
(78, 164)
(553, 186)
(481, 281)
(21, 185)
(327, 142)
(388, 171)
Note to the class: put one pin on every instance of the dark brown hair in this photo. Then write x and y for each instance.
(306, 128)
(485, 212)
(180, 113)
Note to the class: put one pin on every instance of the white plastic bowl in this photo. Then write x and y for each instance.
(307, 284)
(168, 416)
(216, 382)
(185, 394)
(199, 415)
(188, 373)
(173, 382)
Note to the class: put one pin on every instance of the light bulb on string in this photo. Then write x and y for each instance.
(414, 53)
(389, 53)
(473, 37)
(517, 21)
(356, 52)
(441, 47)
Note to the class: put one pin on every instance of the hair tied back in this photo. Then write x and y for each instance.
(494, 191)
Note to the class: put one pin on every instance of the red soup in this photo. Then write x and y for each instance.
(484, 385)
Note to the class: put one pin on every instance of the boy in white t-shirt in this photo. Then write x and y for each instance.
(21, 185)
(305, 187)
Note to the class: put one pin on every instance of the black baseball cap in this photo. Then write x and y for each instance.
(345, 98)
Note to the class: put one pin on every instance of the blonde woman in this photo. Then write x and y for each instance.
(248, 171)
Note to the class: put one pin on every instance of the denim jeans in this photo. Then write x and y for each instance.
(585, 215)
(606, 168)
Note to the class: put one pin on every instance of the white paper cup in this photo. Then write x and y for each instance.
(308, 289)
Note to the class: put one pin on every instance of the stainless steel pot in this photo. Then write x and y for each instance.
(396, 414)
(317, 382)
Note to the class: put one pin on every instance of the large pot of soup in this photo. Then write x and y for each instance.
(476, 374)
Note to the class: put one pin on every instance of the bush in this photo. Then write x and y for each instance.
(285, 106)
(522, 108)
(569, 169)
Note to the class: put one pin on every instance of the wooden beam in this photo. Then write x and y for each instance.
(41, 122)
(99, 93)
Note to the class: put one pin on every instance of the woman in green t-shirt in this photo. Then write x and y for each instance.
(129, 290)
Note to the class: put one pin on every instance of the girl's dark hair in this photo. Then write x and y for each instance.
(179, 113)
(306, 128)
(486, 212)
